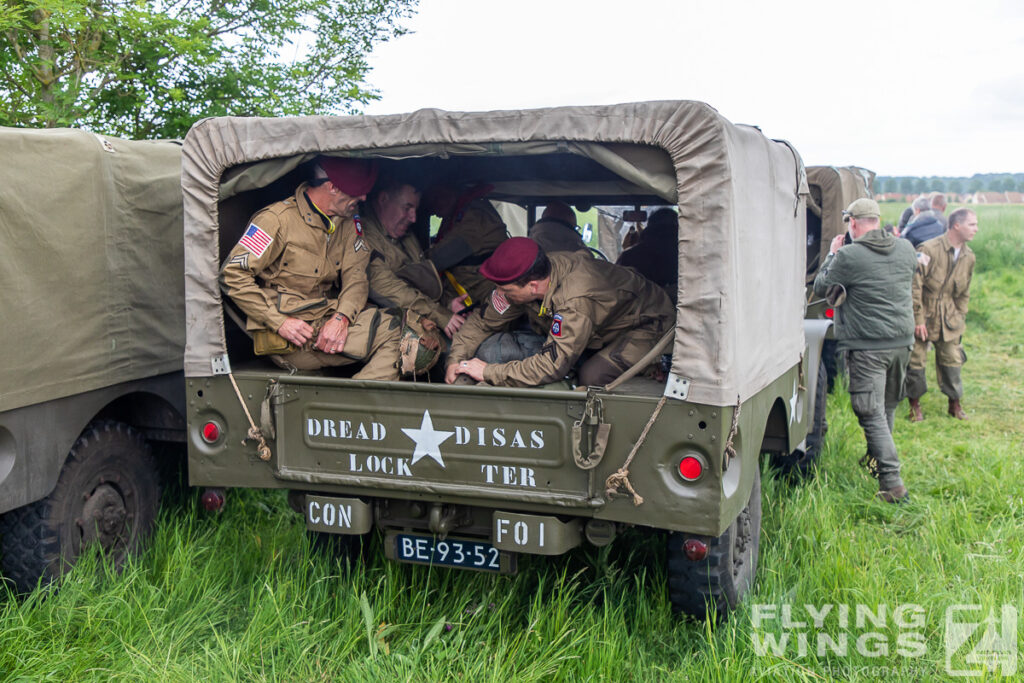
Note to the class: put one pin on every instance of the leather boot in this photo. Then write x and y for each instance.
(915, 410)
(897, 495)
(955, 409)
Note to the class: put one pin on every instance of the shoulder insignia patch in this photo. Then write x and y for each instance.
(499, 302)
(556, 325)
(359, 244)
(242, 260)
(359, 225)
(255, 240)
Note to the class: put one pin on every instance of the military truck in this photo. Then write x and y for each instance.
(831, 190)
(475, 476)
(91, 375)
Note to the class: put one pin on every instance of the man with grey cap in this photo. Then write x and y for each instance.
(299, 275)
(869, 282)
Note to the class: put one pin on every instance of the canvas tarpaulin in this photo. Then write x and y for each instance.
(832, 189)
(90, 264)
(739, 195)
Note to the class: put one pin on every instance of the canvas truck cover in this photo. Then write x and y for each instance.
(831, 190)
(740, 198)
(90, 262)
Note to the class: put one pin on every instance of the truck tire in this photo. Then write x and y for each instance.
(800, 463)
(108, 493)
(716, 584)
(831, 360)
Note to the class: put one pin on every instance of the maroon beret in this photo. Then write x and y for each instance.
(354, 177)
(510, 260)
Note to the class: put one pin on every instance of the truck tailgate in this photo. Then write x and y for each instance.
(428, 440)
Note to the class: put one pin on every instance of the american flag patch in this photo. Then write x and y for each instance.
(499, 302)
(255, 240)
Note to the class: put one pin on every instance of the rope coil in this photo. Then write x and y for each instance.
(254, 433)
(620, 478)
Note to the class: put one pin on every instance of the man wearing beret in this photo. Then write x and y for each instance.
(580, 304)
(869, 282)
(299, 275)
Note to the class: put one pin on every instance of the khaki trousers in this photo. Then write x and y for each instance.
(949, 357)
(373, 339)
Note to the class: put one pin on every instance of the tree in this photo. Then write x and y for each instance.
(906, 185)
(146, 69)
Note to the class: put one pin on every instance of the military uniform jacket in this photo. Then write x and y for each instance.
(942, 289)
(481, 229)
(288, 263)
(387, 255)
(589, 303)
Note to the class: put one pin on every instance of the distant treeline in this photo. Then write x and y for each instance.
(979, 182)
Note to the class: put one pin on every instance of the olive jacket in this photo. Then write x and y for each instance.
(942, 289)
(877, 273)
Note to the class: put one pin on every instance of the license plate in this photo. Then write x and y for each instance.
(452, 552)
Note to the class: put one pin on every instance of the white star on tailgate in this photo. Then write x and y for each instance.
(428, 440)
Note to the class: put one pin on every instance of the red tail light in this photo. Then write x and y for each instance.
(691, 468)
(830, 313)
(212, 499)
(695, 549)
(211, 432)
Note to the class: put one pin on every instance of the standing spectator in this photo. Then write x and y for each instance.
(938, 206)
(875, 327)
(925, 225)
(905, 217)
(941, 293)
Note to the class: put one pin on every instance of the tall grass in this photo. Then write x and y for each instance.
(245, 596)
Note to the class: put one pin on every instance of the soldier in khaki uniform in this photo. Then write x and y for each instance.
(941, 294)
(299, 275)
(556, 230)
(470, 231)
(580, 303)
(395, 252)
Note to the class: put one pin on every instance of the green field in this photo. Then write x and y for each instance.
(243, 595)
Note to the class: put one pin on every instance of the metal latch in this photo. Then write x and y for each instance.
(590, 435)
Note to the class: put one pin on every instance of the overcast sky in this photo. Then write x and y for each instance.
(900, 87)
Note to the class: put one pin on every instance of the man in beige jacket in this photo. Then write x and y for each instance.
(941, 294)
(400, 274)
(299, 275)
(576, 303)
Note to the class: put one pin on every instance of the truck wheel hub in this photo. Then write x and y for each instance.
(103, 516)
